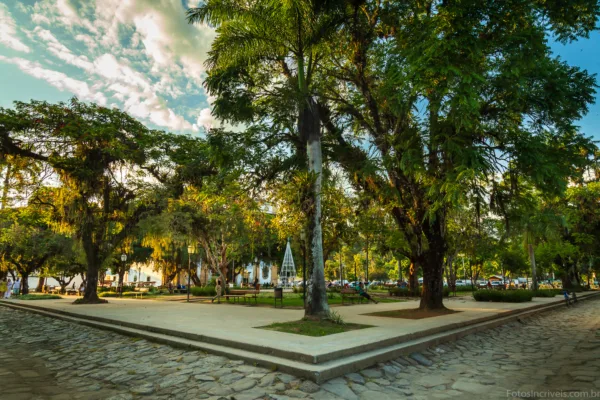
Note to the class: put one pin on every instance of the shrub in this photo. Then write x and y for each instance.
(405, 292)
(546, 292)
(108, 294)
(206, 291)
(507, 296)
(335, 318)
(39, 297)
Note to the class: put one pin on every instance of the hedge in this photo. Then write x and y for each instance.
(547, 292)
(206, 291)
(506, 296)
(405, 292)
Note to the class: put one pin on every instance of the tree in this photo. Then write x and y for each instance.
(276, 46)
(113, 170)
(440, 96)
(27, 242)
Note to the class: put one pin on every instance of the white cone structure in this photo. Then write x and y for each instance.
(288, 269)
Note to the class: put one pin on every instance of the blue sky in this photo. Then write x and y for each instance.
(140, 56)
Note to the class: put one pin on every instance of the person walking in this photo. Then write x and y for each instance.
(17, 286)
(8, 292)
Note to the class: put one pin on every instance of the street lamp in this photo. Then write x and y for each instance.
(123, 259)
(191, 250)
(255, 273)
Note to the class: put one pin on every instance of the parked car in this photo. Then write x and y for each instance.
(460, 282)
(498, 285)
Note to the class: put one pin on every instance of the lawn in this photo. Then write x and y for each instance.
(294, 300)
(309, 327)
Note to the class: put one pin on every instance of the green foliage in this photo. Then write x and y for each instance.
(335, 317)
(405, 292)
(39, 297)
(547, 292)
(205, 291)
(505, 296)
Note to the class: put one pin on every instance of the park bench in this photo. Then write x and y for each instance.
(244, 293)
(351, 294)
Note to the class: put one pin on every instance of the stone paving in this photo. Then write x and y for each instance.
(556, 353)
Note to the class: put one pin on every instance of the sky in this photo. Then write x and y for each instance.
(142, 57)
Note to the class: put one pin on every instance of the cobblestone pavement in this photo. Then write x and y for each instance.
(45, 358)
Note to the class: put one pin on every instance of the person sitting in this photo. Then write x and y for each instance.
(567, 298)
(361, 292)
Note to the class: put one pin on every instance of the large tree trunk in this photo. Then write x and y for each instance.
(432, 295)
(309, 127)
(413, 278)
(533, 270)
(90, 294)
(24, 283)
(40, 285)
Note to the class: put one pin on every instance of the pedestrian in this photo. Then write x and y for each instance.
(17, 286)
(256, 283)
(489, 284)
(81, 288)
(361, 292)
(8, 292)
(2, 287)
(218, 289)
(567, 299)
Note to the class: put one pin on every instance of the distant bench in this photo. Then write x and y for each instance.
(351, 294)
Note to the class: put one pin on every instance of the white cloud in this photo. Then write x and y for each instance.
(8, 31)
(61, 51)
(87, 40)
(206, 119)
(57, 79)
(141, 54)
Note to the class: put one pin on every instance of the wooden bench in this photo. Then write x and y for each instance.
(243, 293)
(351, 294)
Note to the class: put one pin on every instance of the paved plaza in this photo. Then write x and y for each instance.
(46, 358)
(237, 324)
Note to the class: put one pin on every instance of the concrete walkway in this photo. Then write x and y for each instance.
(232, 323)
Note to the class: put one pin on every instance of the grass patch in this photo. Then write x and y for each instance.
(308, 327)
(295, 300)
(413, 313)
(39, 297)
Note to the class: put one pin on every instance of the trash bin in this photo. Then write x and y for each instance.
(278, 296)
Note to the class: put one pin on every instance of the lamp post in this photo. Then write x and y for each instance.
(122, 274)
(191, 250)
(255, 272)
